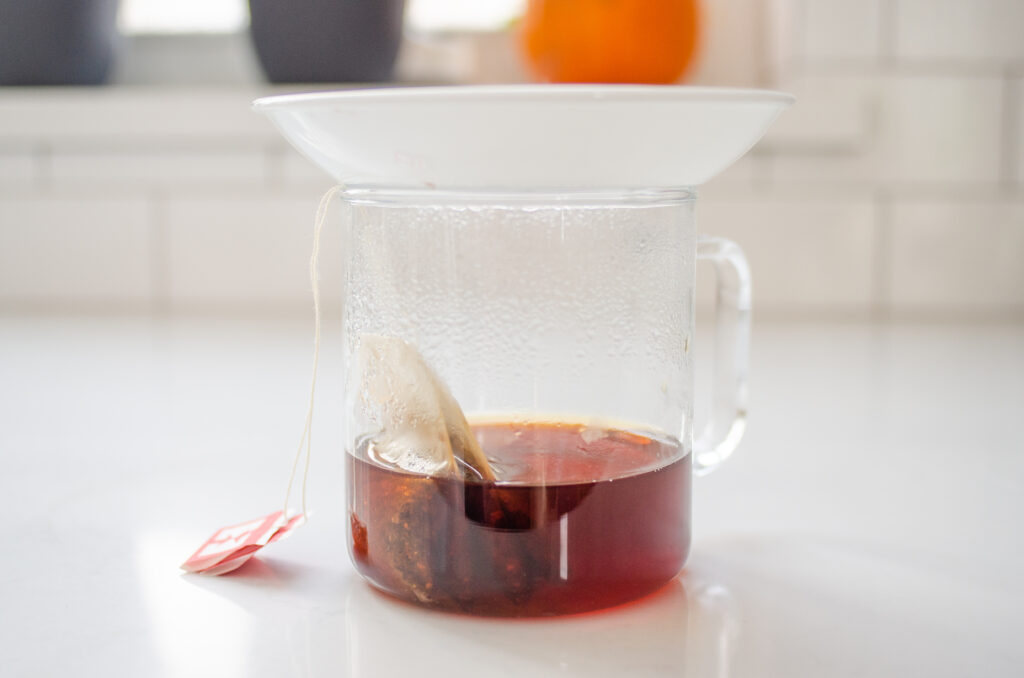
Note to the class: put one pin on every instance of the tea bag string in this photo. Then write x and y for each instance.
(314, 278)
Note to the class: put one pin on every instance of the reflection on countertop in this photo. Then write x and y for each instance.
(868, 525)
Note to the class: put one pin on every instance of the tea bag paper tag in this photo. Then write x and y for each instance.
(230, 547)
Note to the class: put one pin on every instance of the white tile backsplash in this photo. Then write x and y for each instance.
(247, 250)
(905, 146)
(1015, 144)
(747, 171)
(934, 129)
(17, 169)
(811, 254)
(90, 114)
(167, 168)
(840, 29)
(67, 250)
(949, 30)
(893, 131)
(830, 113)
(300, 171)
(852, 168)
(730, 52)
(966, 255)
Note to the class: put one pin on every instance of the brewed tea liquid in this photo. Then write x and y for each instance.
(581, 519)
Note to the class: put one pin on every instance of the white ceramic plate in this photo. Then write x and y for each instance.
(540, 137)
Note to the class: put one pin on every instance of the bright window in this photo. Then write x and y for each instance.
(478, 15)
(229, 16)
(183, 16)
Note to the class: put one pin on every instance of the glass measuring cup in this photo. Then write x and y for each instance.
(552, 295)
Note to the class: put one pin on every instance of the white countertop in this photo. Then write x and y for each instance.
(868, 526)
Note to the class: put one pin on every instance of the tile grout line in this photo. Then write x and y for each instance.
(763, 176)
(1011, 146)
(42, 167)
(798, 57)
(762, 46)
(881, 277)
(921, 68)
(274, 167)
(159, 264)
(887, 31)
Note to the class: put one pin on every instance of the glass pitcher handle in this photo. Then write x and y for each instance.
(728, 418)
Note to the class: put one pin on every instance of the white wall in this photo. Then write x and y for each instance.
(895, 188)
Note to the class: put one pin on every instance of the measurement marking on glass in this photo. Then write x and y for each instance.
(563, 548)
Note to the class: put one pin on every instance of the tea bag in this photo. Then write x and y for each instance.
(421, 427)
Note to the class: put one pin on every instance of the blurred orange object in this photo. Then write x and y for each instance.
(615, 41)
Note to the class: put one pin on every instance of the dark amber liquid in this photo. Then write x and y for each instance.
(580, 520)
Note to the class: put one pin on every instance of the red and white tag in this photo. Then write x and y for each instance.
(231, 547)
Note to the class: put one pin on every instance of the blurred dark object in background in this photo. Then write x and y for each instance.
(327, 40)
(57, 42)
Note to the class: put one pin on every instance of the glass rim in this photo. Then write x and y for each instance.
(517, 198)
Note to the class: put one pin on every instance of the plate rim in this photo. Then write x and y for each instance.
(573, 93)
